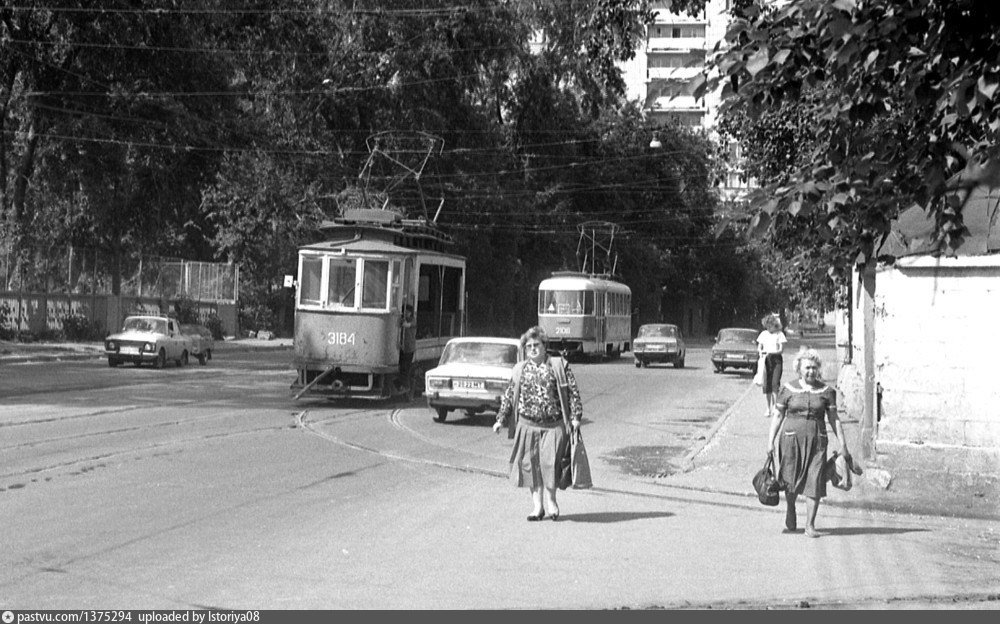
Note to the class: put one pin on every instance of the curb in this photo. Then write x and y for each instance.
(21, 358)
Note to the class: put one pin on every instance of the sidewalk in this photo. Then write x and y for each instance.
(21, 353)
(899, 480)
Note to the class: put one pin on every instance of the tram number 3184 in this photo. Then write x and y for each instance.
(340, 338)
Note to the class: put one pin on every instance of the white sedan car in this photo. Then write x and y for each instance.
(473, 374)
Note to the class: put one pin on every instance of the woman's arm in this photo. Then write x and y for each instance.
(772, 432)
(506, 406)
(838, 428)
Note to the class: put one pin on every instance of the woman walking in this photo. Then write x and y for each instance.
(803, 408)
(770, 345)
(541, 406)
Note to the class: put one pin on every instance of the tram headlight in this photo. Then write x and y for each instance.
(438, 383)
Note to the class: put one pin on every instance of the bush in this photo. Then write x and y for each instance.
(79, 328)
(186, 311)
(214, 325)
(6, 332)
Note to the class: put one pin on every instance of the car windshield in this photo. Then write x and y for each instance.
(145, 325)
(657, 331)
(738, 335)
(488, 353)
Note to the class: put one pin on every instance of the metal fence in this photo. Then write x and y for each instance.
(72, 270)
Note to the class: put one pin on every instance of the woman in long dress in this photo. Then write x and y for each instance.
(806, 405)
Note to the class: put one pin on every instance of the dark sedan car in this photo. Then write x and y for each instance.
(735, 347)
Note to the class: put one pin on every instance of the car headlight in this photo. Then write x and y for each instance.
(496, 384)
(149, 346)
(111, 345)
(438, 383)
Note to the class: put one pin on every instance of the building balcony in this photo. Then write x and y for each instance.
(676, 74)
(658, 44)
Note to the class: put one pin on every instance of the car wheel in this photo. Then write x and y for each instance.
(471, 413)
(638, 364)
(442, 414)
(113, 362)
(202, 359)
(719, 369)
(208, 354)
(161, 359)
(645, 364)
(679, 362)
(184, 359)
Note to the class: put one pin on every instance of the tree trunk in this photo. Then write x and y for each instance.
(24, 173)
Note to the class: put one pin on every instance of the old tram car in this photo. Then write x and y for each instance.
(585, 314)
(350, 293)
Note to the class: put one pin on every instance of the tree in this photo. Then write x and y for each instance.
(896, 105)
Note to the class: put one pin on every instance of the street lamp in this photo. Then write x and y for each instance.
(655, 143)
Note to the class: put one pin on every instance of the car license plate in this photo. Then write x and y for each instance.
(656, 347)
(129, 350)
(466, 384)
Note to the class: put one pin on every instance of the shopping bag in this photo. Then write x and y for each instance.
(580, 465)
(837, 472)
(766, 484)
(564, 466)
(758, 377)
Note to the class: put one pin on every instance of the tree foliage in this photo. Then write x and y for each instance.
(856, 109)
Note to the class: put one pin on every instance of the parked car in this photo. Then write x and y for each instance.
(472, 374)
(202, 341)
(659, 343)
(735, 347)
(153, 339)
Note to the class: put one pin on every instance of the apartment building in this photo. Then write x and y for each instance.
(662, 75)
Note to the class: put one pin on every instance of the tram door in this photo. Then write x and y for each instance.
(600, 321)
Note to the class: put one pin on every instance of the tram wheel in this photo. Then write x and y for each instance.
(442, 414)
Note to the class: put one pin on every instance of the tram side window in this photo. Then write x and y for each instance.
(341, 287)
(375, 284)
(311, 281)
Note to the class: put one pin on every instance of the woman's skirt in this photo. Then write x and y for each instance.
(772, 372)
(801, 456)
(533, 458)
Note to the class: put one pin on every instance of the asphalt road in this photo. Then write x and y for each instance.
(208, 487)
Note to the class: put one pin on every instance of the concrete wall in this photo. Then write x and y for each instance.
(37, 313)
(935, 351)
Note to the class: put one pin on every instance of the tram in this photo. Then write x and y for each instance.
(585, 314)
(349, 297)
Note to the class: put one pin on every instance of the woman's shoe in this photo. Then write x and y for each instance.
(536, 517)
(554, 516)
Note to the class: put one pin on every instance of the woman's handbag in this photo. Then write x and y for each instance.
(580, 465)
(838, 473)
(766, 483)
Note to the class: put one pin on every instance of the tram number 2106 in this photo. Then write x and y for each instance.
(340, 338)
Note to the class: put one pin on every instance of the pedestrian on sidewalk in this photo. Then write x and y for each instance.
(770, 345)
(541, 407)
(802, 409)
(407, 345)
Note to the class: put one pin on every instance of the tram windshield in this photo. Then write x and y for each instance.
(338, 283)
(565, 302)
(486, 353)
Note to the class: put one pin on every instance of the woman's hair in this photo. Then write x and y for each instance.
(537, 333)
(806, 353)
(771, 320)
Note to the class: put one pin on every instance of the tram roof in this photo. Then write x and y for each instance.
(571, 280)
(363, 246)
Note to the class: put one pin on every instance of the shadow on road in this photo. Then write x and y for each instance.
(615, 516)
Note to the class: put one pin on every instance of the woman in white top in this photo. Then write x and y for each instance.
(770, 344)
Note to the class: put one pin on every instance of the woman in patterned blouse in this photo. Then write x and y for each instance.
(538, 423)
(806, 405)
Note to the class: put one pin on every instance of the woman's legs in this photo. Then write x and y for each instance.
(790, 519)
(812, 506)
(552, 509)
(536, 501)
